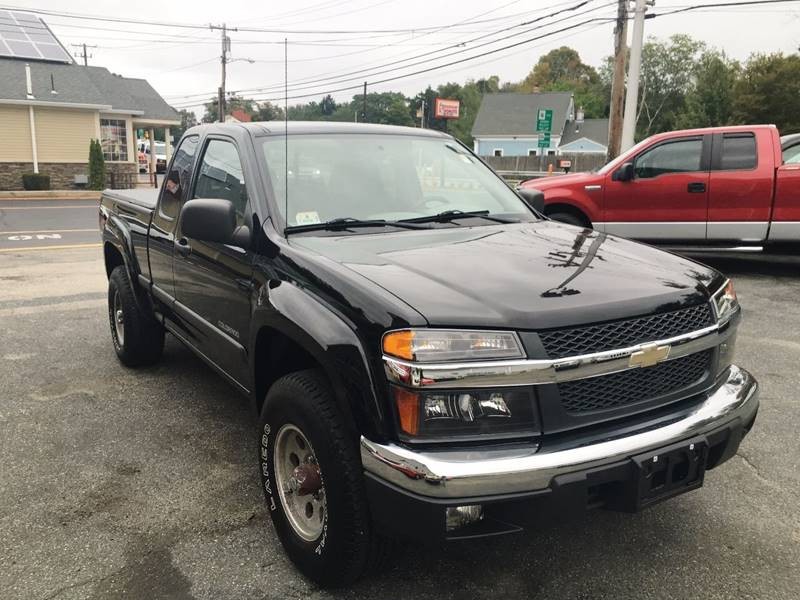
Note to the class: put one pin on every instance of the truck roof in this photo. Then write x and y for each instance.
(265, 128)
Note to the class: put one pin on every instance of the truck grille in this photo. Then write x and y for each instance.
(559, 343)
(634, 385)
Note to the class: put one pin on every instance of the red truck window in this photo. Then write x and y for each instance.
(738, 152)
(678, 156)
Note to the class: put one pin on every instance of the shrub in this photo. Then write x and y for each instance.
(35, 181)
(97, 166)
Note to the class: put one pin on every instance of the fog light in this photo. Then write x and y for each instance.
(459, 516)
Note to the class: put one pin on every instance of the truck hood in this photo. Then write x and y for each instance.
(576, 179)
(521, 276)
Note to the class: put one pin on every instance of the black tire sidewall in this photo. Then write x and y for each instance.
(328, 559)
(115, 286)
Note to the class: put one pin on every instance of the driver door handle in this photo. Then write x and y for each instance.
(182, 247)
(696, 187)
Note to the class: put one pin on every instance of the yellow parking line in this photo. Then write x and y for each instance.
(60, 247)
(45, 207)
(47, 231)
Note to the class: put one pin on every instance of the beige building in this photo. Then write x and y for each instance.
(49, 112)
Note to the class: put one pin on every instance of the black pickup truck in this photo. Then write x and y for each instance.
(429, 357)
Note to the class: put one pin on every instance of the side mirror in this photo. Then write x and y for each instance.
(624, 173)
(212, 220)
(533, 198)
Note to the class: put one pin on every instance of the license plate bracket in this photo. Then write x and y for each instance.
(670, 471)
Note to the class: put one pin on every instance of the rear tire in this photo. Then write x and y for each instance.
(138, 338)
(568, 218)
(341, 547)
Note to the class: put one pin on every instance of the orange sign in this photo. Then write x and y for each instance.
(446, 109)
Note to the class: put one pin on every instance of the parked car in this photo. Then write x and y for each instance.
(427, 357)
(161, 155)
(726, 186)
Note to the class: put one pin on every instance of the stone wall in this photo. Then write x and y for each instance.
(62, 175)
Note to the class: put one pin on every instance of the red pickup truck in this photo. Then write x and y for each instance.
(723, 186)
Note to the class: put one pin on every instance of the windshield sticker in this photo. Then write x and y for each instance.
(307, 218)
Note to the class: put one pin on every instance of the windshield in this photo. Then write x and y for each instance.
(382, 177)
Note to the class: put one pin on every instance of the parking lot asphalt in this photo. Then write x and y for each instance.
(119, 483)
(36, 223)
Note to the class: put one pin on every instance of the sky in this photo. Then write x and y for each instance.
(334, 44)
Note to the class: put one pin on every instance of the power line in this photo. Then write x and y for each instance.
(427, 57)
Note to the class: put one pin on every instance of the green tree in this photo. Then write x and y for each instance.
(768, 91)
(266, 111)
(709, 101)
(562, 70)
(233, 102)
(97, 166)
(666, 79)
(188, 119)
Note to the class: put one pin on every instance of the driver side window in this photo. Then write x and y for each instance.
(679, 156)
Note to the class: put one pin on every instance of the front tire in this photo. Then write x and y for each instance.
(313, 483)
(138, 338)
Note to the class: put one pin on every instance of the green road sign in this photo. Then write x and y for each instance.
(544, 140)
(544, 120)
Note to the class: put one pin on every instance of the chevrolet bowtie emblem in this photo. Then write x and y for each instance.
(649, 356)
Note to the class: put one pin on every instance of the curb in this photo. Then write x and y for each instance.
(51, 195)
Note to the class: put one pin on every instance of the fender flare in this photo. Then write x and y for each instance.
(331, 340)
(117, 234)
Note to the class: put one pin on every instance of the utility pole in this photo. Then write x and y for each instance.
(422, 115)
(634, 69)
(223, 59)
(85, 56)
(364, 112)
(618, 83)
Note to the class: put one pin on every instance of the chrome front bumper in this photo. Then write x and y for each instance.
(489, 472)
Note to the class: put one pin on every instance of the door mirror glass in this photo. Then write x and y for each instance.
(213, 220)
(533, 198)
(624, 173)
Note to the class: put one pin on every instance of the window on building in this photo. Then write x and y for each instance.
(114, 139)
(532, 152)
(738, 151)
(498, 152)
(551, 153)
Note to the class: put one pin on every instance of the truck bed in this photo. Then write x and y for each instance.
(144, 198)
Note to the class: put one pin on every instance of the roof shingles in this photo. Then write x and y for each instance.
(76, 84)
(508, 114)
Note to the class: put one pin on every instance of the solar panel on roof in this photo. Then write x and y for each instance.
(24, 35)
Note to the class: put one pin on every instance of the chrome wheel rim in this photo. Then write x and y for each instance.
(299, 481)
(118, 319)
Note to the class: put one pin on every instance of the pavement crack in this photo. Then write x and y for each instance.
(758, 475)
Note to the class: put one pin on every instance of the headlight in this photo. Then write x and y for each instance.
(448, 345)
(725, 302)
(449, 414)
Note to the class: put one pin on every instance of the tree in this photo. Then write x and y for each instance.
(666, 78)
(267, 111)
(97, 166)
(562, 70)
(709, 102)
(768, 91)
(233, 102)
(188, 119)
(328, 105)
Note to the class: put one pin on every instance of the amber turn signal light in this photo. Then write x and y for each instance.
(399, 344)
(407, 410)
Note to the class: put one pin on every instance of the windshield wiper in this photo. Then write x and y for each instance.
(449, 215)
(342, 223)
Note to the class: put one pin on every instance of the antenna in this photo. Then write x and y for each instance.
(286, 126)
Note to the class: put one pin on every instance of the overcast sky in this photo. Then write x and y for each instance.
(181, 62)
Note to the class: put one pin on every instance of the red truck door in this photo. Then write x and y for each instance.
(741, 186)
(667, 198)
